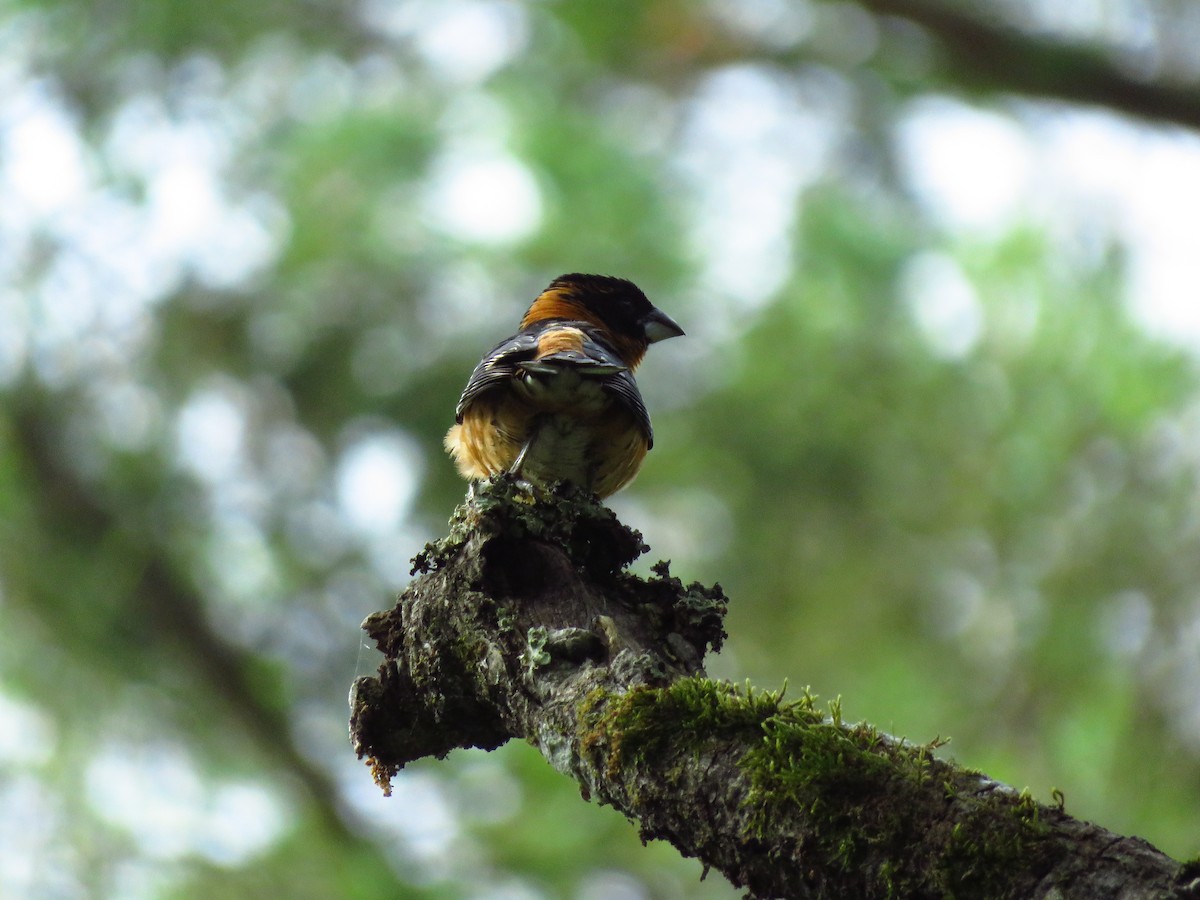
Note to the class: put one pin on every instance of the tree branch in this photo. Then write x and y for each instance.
(525, 625)
(996, 57)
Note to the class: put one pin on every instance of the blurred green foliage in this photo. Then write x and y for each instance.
(985, 529)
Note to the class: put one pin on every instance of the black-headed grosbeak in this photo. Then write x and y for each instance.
(557, 400)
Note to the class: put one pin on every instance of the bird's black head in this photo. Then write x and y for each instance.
(619, 303)
(615, 304)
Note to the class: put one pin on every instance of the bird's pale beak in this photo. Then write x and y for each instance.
(658, 326)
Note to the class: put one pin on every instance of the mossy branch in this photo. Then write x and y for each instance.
(525, 624)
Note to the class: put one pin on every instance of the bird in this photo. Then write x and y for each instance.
(557, 401)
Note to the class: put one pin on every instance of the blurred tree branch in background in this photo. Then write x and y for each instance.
(983, 51)
(167, 615)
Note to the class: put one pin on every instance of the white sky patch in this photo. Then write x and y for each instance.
(1082, 175)
(777, 23)
(184, 203)
(317, 532)
(749, 147)
(45, 168)
(1145, 183)
(1125, 623)
(119, 251)
(27, 735)
(687, 524)
(187, 217)
(35, 861)
(209, 435)
(611, 884)
(943, 303)
(465, 41)
(972, 168)
(241, 563)
(66, 305)
(323, 90)
(488, 199)
(241, 820)
(377, 479)
(469, 41)
(144, 139)
(128, 413)
(1166, 293)
(155, 793)
(418, 813)
(389, 554)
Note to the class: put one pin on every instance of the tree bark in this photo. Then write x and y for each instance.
(525, 624)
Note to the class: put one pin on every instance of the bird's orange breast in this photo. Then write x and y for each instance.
(600, 451)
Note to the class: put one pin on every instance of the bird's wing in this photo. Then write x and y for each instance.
(622, 386)
(618, 380)
(498, 366)
(531, 350)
